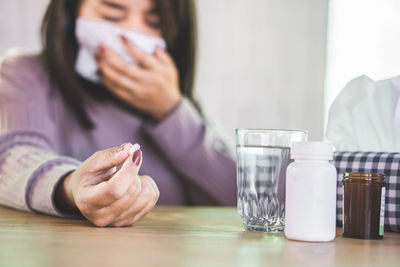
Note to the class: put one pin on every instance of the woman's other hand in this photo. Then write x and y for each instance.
(151, 86)
(108, 197)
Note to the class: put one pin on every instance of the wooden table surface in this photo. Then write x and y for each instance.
(176, 236)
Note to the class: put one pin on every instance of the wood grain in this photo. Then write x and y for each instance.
(175, 236)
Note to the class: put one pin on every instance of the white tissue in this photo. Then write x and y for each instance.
(91, 33)
(366, 116)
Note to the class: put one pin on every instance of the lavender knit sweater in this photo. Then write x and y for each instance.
(40, 141)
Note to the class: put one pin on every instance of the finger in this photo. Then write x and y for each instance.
(130, 214)
(100, 177)
(146, 60)
(145, 202)
(121, 93)
(117, 208)
(133, 71)
(116, 89)
(126, 209)
(116, 187)
(163, 56)
(151, 204)
(151, 183)
(134, 218)
(110, 85)
(104, 160)
(118, 79)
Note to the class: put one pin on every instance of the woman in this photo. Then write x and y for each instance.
(54, 116)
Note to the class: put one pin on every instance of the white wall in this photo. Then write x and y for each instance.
(261, 62)
(20, 23)
(364, 38)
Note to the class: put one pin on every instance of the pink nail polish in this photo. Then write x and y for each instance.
(123, 38)
(100, 50)
(137, 157)
(121, 147)
(97, 57)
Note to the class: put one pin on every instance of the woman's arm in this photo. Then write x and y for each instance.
(34, 178)
(198, 154)
(190, 146)
(29, 168)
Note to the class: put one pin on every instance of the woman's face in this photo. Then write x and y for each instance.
(139, 15)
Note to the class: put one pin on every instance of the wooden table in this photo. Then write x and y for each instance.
(175, 236)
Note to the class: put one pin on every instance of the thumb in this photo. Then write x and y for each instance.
(128, 172)
(107, 159)
(131, 166)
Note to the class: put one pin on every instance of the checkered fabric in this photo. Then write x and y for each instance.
(257, 175)
(372, 162)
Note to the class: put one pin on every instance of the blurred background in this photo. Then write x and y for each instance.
(267, 63)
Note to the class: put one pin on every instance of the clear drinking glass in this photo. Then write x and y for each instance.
(261, 159)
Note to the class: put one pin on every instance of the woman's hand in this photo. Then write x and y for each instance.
(151, 86)
(107, 197)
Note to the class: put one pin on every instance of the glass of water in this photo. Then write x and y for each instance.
(261, 159)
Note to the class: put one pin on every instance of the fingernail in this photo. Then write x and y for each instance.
(121, 147)
(137, 157)
(100, 50)
(123, 38)
(97, 57)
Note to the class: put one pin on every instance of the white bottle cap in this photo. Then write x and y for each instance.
(311, 150)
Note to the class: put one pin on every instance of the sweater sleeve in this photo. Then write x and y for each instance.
(198, 154)
(30, 169)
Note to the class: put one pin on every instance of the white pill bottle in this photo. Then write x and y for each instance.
(310, 208)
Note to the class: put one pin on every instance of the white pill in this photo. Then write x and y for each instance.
(134, 148)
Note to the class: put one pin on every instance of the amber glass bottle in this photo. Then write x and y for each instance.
(363, 205)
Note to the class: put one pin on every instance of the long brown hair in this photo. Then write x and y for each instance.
(60, 47)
